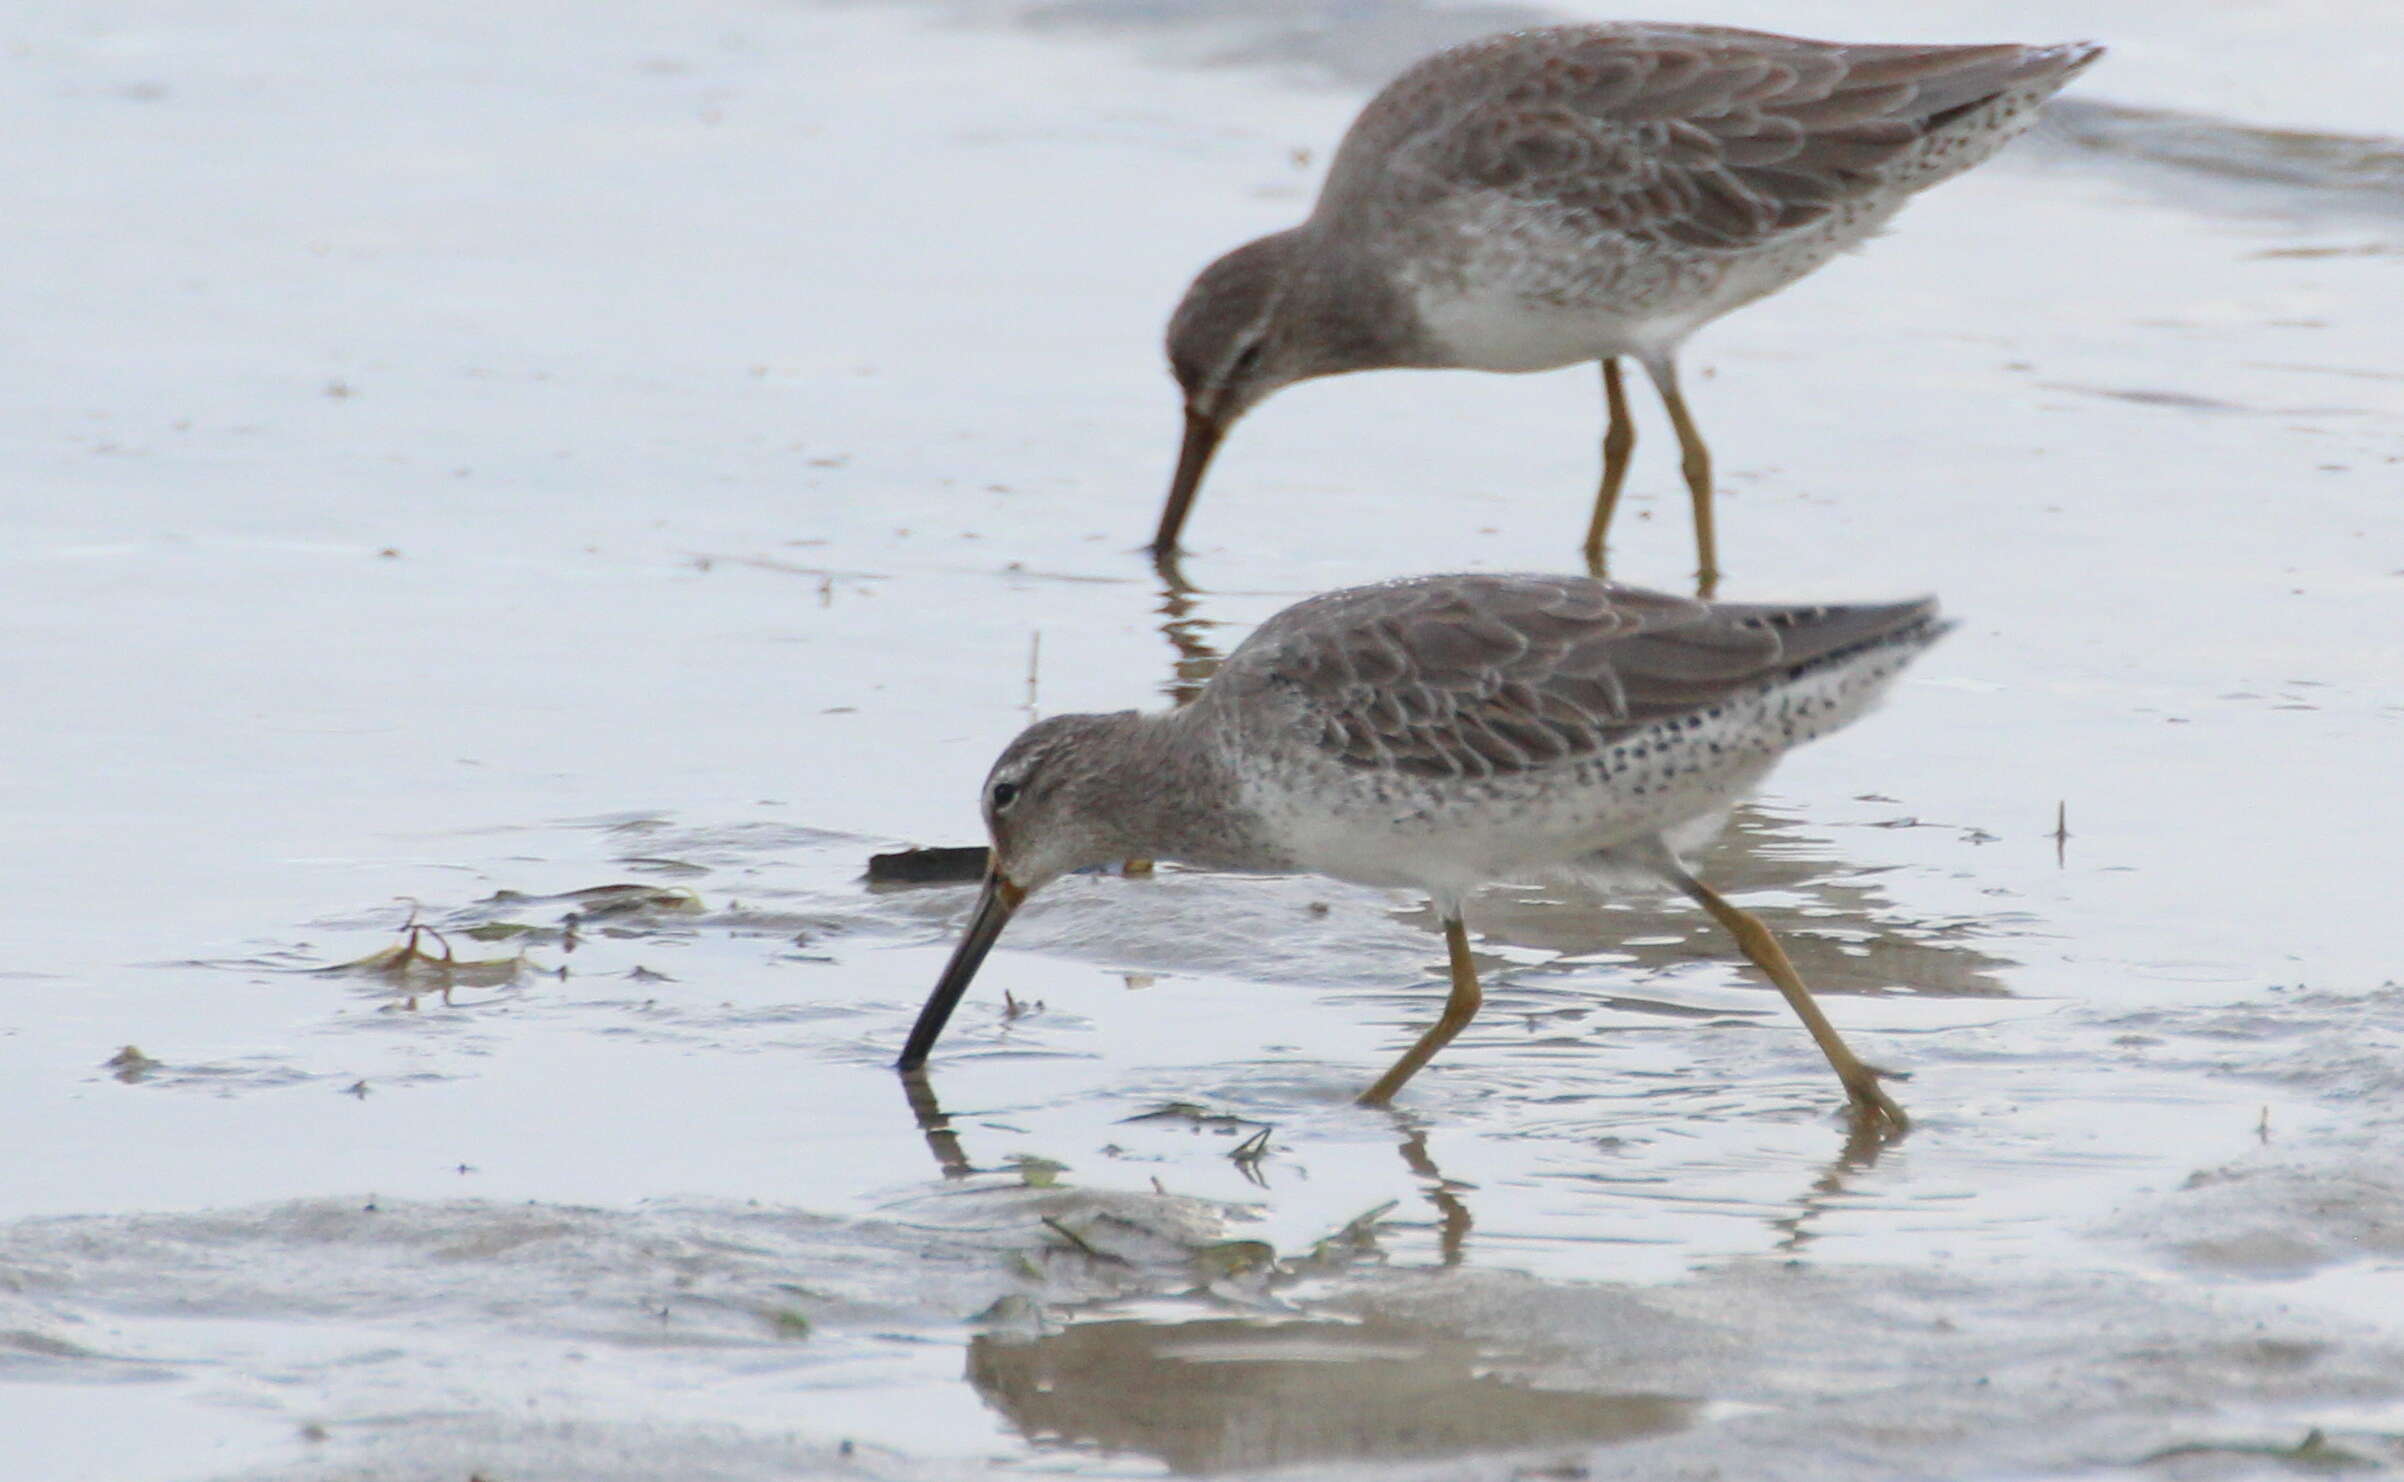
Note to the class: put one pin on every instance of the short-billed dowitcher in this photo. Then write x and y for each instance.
(1546, 197)
(1441, 733)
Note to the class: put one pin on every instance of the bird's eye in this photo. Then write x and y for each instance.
(1004, 794)
(1247, 360)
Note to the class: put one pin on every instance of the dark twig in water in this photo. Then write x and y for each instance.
(1073, 1238)
(2313, 1453)
(960, 865)
(1247, 1155)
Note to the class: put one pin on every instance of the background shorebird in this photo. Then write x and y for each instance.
(1546, 197)
(1443, 732)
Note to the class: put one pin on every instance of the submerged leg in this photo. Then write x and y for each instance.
(1861, 1082)
(1459, 1009)
(1619, 442)
(1695, 459)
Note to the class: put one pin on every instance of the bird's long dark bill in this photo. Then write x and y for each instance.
(1193, 457)
(995, 904)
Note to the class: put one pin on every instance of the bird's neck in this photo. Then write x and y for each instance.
(1342, 304)
(1169, 794)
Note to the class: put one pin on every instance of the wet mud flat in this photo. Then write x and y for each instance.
(487, 575)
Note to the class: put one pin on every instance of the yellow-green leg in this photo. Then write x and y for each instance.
(1459, 1009)
(1619, 444)
(1694, 458)
(1861, 1081)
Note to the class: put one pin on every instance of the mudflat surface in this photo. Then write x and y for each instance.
(580, 482)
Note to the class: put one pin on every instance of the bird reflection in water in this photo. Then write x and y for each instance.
(1214, 1393)
(1226, 1394)
(936, 1128)
(1453, 1222)
(1448, 1198)
(1187, 631)
(1833, 1186)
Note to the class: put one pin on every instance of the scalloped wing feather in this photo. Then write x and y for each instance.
(1483, 675)
(1701, 135)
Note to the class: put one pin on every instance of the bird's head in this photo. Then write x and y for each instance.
(1230, 345)
(1049, 810)
(1224, 343)
(1044, 800)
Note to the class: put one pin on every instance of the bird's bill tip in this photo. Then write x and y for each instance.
(997, 902)
(1202, 434)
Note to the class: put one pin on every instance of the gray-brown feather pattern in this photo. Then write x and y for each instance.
(1703, 136)
(1482, 675)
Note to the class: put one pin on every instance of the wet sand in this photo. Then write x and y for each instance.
(457, 466)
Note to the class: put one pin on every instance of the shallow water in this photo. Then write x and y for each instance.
(460, 466)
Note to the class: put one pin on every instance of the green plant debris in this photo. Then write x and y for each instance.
(2312, 1454)
(1011, 1307)
(1357, 1237)
(408, 966)
(502, 931)
(598, 901)
(1225, 1258)
(787, 1322)
(1035, 1171)
(1199, 1116)
(131, 1065)
(680, 868)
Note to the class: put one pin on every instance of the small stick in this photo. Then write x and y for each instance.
(1079, 1241)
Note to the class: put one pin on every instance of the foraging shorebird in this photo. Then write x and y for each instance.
(1574, 193)
(1443, 732)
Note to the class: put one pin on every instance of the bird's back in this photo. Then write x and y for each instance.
(1702, 137)
(1445, 730)
(1482, 674)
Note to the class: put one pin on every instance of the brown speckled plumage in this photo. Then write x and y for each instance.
(1479, 675)
(1700, 136)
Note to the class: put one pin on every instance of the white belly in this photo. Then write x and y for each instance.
(1491, 327)
(1451, 840)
